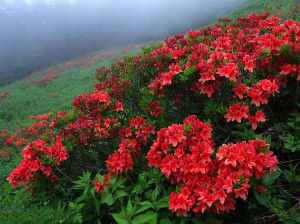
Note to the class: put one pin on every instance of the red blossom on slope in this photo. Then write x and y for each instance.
(207, 184)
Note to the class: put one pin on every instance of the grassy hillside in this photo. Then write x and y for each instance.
(28, 97)
(275, 7)
(36, 95)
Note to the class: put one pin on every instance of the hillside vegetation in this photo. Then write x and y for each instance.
(54, 88)
(200, 128)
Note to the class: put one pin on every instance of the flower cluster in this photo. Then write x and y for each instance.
(121, 160)
(238, 111)
(184, 152)
(218, 56)
(3, 137)
(154, 108)
(132, 138)
(56, 120)
(31, 167)
(22, 136)
(117, 87)
(41, 117)
(44, 80)
(5, 153)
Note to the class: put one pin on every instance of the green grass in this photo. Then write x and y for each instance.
(273, 6)
(34, 100)
(283, 7)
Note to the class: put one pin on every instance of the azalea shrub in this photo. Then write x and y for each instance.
(207, 184)
(181, 133)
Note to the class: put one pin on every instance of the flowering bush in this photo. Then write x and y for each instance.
(225, 76)
(183, 154)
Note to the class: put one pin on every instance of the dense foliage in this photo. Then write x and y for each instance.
(201, 128)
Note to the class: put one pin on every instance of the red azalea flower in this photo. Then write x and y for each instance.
(237, 112)
(239, 90)
(230, 71)
(154, 108)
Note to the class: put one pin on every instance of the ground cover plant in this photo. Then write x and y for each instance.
(201, 128)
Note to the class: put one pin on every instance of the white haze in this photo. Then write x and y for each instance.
(38, 33)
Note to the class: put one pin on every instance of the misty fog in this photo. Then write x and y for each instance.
(39, 33)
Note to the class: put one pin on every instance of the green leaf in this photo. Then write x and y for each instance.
(129, 206)
(153, 221)
(155, 194)
(163, 203)
(260, 197)
(97, 205)
(107, 198)
(200, 39)
(120, 218)
(187, 128)
(197, 221)
(212, 220)
(183, 221)
(141, 209)
(145, 218)
(145, 205)
(83, 196)
(289, 176)
(93, 192)
(181, 63)
(165, 221)
(271, 177)
(121, 194)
